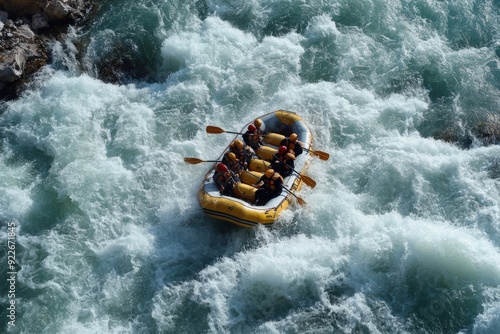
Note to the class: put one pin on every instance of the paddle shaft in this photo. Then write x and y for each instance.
(322, 155)
(307, 180)
(299, 199)
(195, 161)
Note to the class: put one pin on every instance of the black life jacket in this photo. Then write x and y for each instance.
(233, 165)
(295, 147)
(224, 179)
(272, 183)
(254, 139)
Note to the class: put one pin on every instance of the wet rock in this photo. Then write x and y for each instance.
(22, 54)
(488, 131)
(18, 8)
(39, 21)
(57, 10)
(455, 135)
(25, 30)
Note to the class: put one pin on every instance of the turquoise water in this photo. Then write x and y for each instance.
(401, 234)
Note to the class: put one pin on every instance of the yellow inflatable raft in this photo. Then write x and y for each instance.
(240, 209)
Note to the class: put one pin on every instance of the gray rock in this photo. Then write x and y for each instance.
(18, 8)
(25, 33)
(23, 49)
(57, 10)
(10, 24)
(3, 16)
(12, 65)
(39, 21)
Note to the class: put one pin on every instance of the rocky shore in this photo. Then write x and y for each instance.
(26, 27)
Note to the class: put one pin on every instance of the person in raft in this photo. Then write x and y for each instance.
(243, 153)
(259, 125)
(224, 179)
(270, 185)
(232, 163)
(252, 137)
(292, 144)
(283, 161)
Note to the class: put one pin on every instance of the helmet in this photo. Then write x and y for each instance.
(293, 137)
(221, 167)
(290, 155)
(252, 128)
(232, 156)
(282, 149)
(238, 143)
(269, 173)
(257, 122)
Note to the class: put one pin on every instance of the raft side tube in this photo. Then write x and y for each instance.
(273, 139)
(259, 165)
(266, 152)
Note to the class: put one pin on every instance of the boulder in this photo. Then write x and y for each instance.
(488, 131)
(18, 8)
(22, 54)
(54, 10)
(39, 21)
(58, 10)
(11, 66)
(3, 16)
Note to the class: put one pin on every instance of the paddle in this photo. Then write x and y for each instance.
(307, 180)
(216, 130)
(195, 161)
(322, 155)
(300, 200)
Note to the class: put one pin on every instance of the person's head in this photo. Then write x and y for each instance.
(221, 167)
(237, 143)
(252, 128)
(232, 156)
(257, 123)
(269, 173)
(290, 155)
(282, 149)
(293, 137)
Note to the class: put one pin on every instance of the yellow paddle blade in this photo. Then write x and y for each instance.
(308, 181)
(193, 161)
(214, 129)
(322, 155)
(300, 200)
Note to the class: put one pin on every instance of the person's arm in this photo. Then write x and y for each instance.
(258, 184)
(219, 183)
